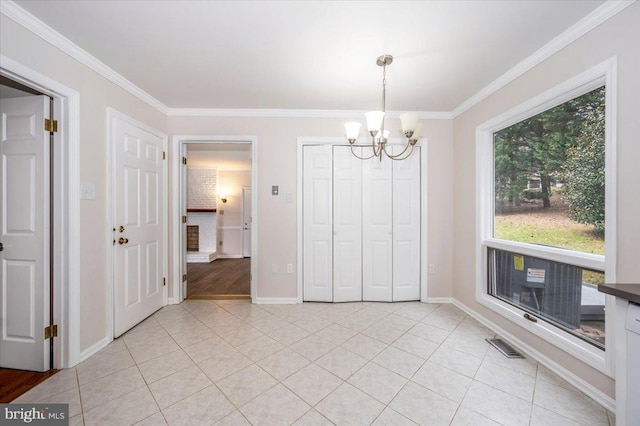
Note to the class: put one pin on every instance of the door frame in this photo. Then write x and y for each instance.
(111, 285)
(177, 142)
(66, 206)
(242, 214)
(424, 204)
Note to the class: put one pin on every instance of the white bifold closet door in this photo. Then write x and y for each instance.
(377, 230)
(406, 227)
(361, 226)
(317, 212)
(347, 225)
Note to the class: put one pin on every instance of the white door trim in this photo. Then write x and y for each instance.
(111, 115)
(177, 141)
(424, 203)
(66, 204)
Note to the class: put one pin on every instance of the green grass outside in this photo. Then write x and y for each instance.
(584, 241)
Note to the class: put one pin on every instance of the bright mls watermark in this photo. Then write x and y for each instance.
(34, 414)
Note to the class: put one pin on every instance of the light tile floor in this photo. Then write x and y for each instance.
(234, 363)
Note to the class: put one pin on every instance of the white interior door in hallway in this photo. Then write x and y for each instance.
(246, 220)
(361, 226)
(25, 233)
(138, 203)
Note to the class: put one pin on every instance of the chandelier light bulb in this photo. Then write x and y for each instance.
(417, 133)
(409, 122)
(352, 129)
(374, 121)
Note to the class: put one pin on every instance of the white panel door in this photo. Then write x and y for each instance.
(406, 227)
(347, 225)
(317, 255)
(246, 220)
(377, 227)
(24, 223)
(138, 208)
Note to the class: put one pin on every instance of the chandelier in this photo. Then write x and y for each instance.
(375, 125)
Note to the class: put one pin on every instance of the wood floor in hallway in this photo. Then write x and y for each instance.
(222, 276)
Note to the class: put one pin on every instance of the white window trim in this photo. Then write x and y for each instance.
(604, 73)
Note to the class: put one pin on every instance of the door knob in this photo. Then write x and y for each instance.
(121, 229)
(1, 246)
(123, 240)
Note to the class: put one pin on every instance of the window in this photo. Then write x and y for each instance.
(549, 191)
(546, 203)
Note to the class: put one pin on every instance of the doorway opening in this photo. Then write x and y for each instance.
(218, 241)
(216, 233)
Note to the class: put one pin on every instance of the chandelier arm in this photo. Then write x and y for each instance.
(357, 156)
(395, 158)
(400, 154)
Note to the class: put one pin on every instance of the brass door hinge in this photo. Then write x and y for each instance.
(50, 126)
(51, 331)
(164, 281)
(164, 155)
(184, 277)
(184, 160)
(184, 219)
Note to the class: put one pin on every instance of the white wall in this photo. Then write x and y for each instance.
(618, 36)
(96, 94)
(277, 150)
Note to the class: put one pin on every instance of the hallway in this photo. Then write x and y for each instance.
(235, 363)
(220, 277)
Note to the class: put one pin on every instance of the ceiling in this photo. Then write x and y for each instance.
(310, 54)
(220, 156)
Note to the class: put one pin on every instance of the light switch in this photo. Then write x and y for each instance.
(87, 191)
(274, 190)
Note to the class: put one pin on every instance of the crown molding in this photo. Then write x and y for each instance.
(294, 113)
(14, 12)
(39, 28)
(577, 30)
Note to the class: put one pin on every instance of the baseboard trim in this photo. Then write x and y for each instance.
(172, 301)
(91, 350)
(589, 390)
(230, 256)
(275, 300)
(439, 300)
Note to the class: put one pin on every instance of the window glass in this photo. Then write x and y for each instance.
(550, 178)
(561, 294)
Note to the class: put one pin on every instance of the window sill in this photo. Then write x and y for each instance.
(572, 345)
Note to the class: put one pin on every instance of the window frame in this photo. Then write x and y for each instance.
(605, 74)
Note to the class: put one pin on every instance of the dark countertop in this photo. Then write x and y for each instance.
(631, 292)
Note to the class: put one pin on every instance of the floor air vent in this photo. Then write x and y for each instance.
(505, 348)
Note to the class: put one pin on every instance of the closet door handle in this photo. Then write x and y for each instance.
(1, 246)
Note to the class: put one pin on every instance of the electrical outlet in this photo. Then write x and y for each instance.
(289, 268)
(274, 268)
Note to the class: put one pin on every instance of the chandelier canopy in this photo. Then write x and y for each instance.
(375, 125)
